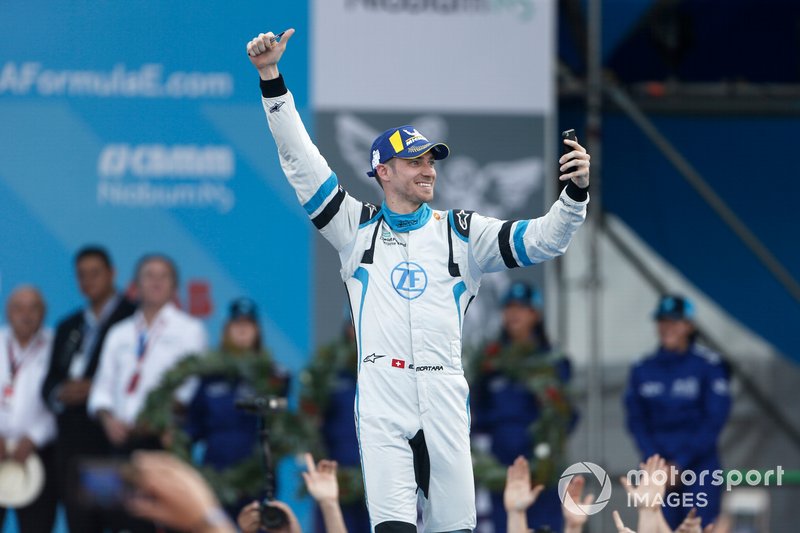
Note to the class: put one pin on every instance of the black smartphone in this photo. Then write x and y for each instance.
(568, 134)
(102, 483)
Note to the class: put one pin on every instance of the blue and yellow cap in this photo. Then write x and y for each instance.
(674, 307)
(404, 142)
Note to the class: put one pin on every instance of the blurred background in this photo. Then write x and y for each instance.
(139, 126)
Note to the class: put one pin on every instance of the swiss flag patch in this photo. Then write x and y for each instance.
(398, 363)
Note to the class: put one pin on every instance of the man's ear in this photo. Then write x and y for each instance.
(382, 172)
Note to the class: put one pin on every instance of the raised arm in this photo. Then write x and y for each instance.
(503, 244)
(334, 212)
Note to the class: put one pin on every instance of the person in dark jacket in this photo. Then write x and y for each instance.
(677, 403)
(230, 435)
(520, 402)
(76, 353)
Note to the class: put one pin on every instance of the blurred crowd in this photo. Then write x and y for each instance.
(127, 417)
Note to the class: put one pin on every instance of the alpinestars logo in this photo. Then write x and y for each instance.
(462, 219)
(371, 358)
(274, 108)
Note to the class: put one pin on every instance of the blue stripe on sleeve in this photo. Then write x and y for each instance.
(519, 244)
(323, 192)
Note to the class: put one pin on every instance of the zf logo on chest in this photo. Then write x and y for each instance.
(409, 280)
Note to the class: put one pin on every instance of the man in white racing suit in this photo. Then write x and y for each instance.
(410, 274)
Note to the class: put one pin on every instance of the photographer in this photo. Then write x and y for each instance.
(241, 369)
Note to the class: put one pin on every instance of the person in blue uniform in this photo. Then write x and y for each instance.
(677, 403)
(230, 435)
(328, 394)
(520, 401)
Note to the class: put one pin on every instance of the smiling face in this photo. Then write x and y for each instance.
(408, 183)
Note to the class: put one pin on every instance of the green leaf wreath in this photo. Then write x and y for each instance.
(289, 433)
(537, 372)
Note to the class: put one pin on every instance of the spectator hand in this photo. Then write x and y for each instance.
(249, 518)
(74, 391)
(649, 493)
(620, 526)
(693, 524)
(575, 522)
(321, 480)
(23, 449)
(116, 430)
(171, 492)
(518, 495)
(292, 526)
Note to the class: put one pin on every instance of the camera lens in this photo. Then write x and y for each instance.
(272, 517)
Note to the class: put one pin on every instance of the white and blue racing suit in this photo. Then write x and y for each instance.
(410, 279)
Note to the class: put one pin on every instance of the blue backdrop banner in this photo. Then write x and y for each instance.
(138, 126)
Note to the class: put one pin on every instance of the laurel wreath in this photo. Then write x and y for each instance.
(537, 372)
(289, 433)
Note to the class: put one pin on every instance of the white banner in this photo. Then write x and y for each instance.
(476, 56)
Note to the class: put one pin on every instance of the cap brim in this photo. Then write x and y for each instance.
(440, 151)
(243, 316)
(670, 316)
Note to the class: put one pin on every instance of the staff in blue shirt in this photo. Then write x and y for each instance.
(677, 403)
(520, 400)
